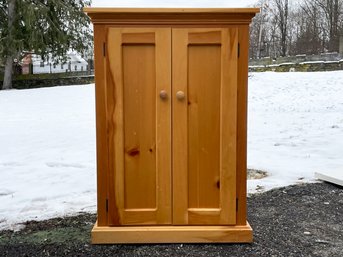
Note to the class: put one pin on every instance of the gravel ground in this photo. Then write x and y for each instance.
(301, 220)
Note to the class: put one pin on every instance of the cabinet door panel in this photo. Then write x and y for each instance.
(204, 125)
(139, 130)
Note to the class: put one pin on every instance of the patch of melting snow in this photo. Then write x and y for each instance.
(256, 174)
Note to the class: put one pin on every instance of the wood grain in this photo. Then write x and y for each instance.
(204, 82)
(204, 141)
(101, 124)
(172, 234)
(91, 10)
(115, 127)
(171, 16)
(141, 168)
(242, 107)
(228, 125)
(211, 37)
(179, 121)
(139, 125)
(142, 38)
(168, 161)
(163, 126)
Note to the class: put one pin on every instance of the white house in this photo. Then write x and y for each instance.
(74, 63)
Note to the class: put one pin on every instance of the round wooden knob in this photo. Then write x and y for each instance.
(180, 95)
(163, 94)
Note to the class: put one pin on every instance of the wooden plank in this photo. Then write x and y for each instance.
(141, 38)
(171, 16)
(242, 102)
(332, 176)
(143, 216)
(172, 234)
(163, 126)
(204, 216)
(211, 37)
(101, 123)
(115, 127)
(139, 75)
(90, 10)
(204, 82)
(179, 121)
(228, 119)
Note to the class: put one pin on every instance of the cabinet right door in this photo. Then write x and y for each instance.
(204, 77)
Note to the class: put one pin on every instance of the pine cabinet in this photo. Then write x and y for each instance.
(171, 106)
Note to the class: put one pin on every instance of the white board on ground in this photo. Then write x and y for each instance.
(333, 176)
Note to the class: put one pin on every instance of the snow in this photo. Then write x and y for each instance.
(332, 176)
(313, 62)
(173, 3)
(47, 153)
(295, 126)
(47, 141)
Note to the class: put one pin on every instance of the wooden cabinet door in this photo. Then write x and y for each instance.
(139, 125)
(204, 71)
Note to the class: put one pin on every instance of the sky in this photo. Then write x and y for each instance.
(173, 3)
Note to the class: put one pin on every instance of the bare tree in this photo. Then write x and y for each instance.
(288, 28)
(258, 31)
(309, 36)
(280, 17)
(261, 23)
(332, 14)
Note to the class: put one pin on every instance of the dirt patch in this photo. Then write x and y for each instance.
(256, 174)
(302, 220)
(58, 230)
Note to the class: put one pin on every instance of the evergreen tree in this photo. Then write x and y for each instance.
(43, 27)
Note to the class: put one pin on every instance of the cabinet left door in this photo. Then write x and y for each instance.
(138, 85)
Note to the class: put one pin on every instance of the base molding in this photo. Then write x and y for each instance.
(171, 234)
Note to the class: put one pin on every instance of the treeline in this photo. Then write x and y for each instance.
(286, 27)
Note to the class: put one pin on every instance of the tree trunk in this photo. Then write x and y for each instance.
(10, 52)
(281, 18)
(260, 32)
(8, 73)
(335, 25)
(284, 29)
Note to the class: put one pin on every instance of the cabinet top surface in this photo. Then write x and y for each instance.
(90, 10)
(173, 16)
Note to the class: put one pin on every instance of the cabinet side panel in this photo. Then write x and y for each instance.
(242, 100)
(101, 127)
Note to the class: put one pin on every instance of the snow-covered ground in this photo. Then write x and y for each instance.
(47, 141)
(47, 153)
(295, 126)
